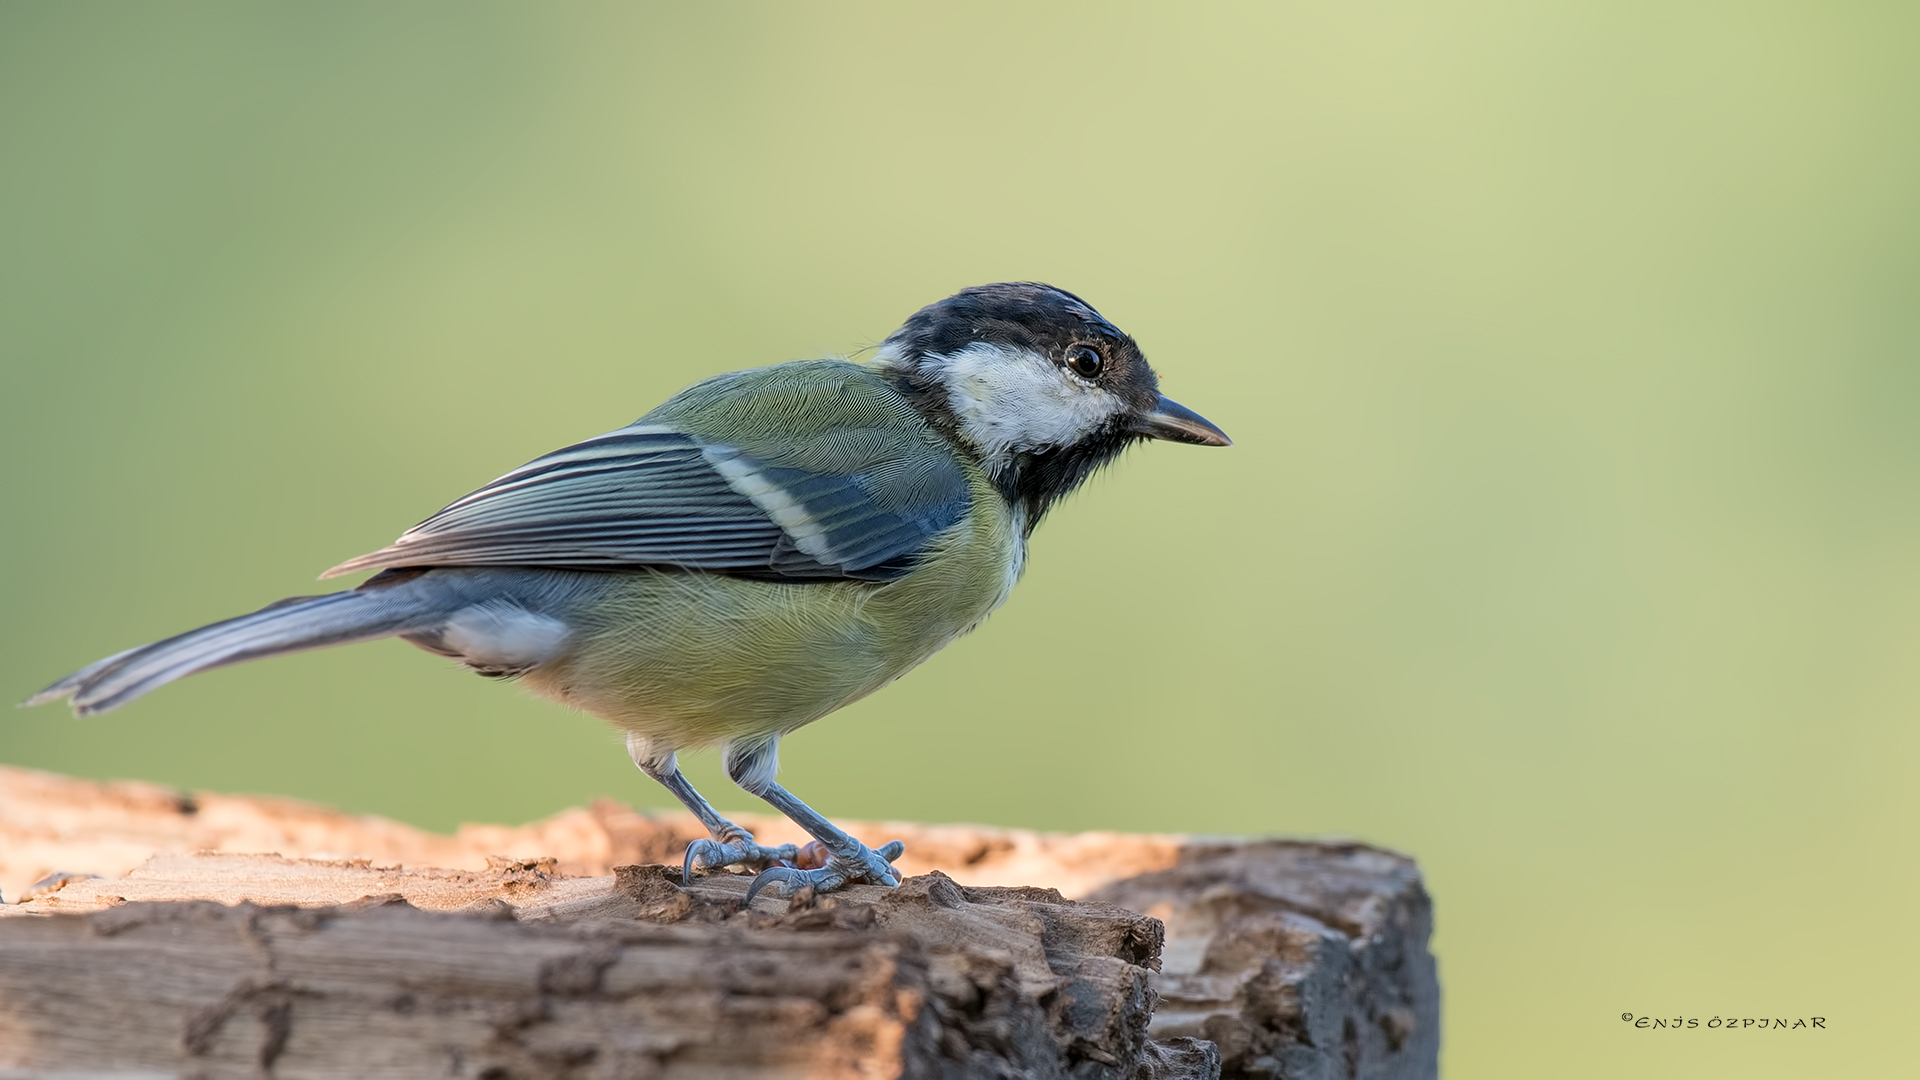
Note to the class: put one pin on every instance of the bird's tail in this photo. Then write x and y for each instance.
(304, 622)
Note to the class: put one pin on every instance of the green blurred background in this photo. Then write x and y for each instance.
(1571, 541)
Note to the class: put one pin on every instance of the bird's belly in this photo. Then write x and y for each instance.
(687, 659)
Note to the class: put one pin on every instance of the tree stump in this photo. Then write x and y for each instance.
(157, 940)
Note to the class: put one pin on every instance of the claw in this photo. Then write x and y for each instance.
(694, 851)
(737, 848)
(863, 864)
(778, 875)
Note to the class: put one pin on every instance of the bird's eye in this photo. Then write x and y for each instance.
(1084, 362)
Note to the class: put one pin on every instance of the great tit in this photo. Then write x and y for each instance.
(762, 549)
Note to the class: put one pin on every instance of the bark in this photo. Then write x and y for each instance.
(565, 948)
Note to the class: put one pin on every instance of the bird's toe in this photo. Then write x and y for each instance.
(735, 849)
(859, 864)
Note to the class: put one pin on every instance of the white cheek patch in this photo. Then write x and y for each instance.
(1010, 401)
(505, 637)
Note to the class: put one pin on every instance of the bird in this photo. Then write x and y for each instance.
(762, 549)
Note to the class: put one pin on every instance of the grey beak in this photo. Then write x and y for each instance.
(1174, 422)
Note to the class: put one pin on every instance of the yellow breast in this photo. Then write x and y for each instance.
(690, 659)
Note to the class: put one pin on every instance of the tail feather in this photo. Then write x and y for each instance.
(67, 686)
(295, 625)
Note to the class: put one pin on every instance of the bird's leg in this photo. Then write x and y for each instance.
(731, 845)
(752, 766)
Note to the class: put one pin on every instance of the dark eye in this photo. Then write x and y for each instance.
(1084, 362)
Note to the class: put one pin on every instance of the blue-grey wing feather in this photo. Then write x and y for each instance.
(862, 504)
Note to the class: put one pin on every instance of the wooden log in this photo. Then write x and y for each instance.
(1295, 959)
(1270, 958)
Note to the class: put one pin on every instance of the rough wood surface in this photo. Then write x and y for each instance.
(564, 949)
(51, 824)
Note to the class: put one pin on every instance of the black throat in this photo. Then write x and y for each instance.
(1035, 481)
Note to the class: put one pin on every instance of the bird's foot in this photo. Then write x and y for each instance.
(855, 863)
(734, 846)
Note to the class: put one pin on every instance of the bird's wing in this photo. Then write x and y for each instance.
(808, 471)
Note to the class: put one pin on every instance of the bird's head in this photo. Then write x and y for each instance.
(1037, 384)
